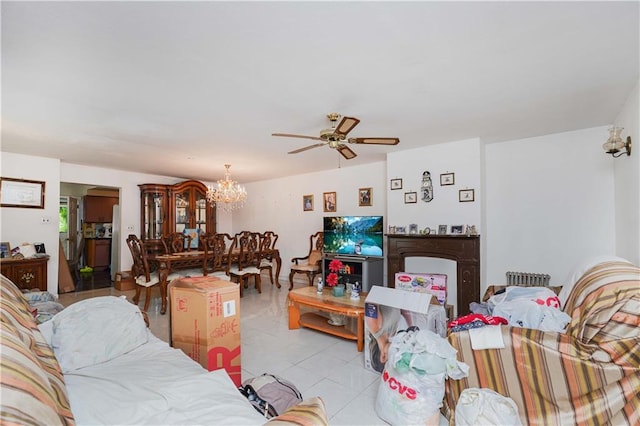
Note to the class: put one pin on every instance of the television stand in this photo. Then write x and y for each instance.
(366, 270)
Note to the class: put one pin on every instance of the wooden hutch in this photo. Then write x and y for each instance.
(166, 209)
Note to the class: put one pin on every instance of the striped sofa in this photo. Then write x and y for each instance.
(589, 375)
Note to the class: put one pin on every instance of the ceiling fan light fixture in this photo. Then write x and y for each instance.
(346, 152)
(346, 125)
(375, 141)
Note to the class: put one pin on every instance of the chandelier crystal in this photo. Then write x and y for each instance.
(228, 194)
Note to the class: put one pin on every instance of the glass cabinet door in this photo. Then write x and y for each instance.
(182, 212)
(201, 212)
(154, 215)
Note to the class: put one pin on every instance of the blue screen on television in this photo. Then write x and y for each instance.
(353, 235)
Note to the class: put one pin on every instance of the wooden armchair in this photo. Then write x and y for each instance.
(310, 264)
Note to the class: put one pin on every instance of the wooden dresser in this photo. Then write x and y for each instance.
(27, 274)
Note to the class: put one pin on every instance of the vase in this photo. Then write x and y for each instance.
(336, 319)
(338, 291)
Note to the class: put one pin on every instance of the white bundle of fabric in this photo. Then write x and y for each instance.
(530, 307)
(485, 407)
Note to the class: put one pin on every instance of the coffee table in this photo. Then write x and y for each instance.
(307, 297)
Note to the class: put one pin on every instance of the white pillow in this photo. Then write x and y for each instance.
(96, 330)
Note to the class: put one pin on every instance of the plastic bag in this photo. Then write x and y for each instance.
(412, 384)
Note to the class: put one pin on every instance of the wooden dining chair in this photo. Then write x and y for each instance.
(310, 265)
(267, 247)
(217, 250)
(176, 242)
(247, 261)
(141, 272)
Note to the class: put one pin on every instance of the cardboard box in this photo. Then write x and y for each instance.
(205, 322)
(389, 310)
(435, 284)
(124, 281)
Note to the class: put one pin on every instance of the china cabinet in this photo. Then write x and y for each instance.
(173, 208)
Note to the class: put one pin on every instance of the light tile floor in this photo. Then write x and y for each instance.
(317, 363)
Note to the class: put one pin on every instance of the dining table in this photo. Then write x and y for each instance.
(165, 264)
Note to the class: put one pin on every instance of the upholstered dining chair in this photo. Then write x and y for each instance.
(141, 272)
(217, 250)
(310, 265)
(176, 242)
(267, 246)
(247, 259)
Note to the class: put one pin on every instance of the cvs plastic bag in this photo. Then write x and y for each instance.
(411, 387)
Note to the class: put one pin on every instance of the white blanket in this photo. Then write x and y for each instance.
(156, 384)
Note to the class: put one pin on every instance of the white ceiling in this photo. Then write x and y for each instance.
(181, 88)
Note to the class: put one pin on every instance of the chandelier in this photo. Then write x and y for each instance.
(229, 194)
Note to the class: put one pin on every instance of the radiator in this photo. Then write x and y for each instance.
(525, 279)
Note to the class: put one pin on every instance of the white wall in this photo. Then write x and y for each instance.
(550, 204)
(276, 205)
(463, 158)
(18, 225)
(627, 183)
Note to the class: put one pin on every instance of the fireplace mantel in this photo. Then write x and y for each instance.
(464, 250)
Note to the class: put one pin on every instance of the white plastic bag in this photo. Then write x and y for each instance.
(412, 384)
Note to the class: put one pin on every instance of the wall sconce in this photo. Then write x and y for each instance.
(614, 145)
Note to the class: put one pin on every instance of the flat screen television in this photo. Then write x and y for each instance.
(353, 235)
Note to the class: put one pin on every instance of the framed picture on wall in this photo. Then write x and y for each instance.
(365, 197)
(447, 179)
(307, 203)
(466, 195)
(410, 197)
(21, 193)
(329, 202)
(396, 184)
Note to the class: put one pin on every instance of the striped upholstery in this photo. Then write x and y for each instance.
(32, 385)
(310, 412)
(589, 375)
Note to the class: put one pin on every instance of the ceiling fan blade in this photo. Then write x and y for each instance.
(295, 151)
(291, 135)
(346, 125)
(346, 152)
(375, 141)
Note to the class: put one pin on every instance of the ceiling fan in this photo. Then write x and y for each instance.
(336, 136)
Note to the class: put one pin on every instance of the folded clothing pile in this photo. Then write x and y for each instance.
(43, 305)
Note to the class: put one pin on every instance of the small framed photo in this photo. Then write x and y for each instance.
(410, 197)
(365, 197)
(329, 202)
(413, 228)
(447, 179)
(466, 195)
(401, 229)
(307, 203)
(396, 184)
(21, 193)
(5, 249)
(392, 229)
(457, 229)
(442, 229)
